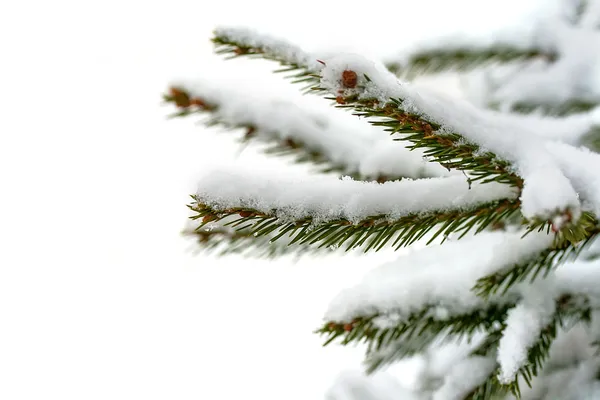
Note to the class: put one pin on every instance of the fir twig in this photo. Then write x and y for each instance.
(233, 47)
(373, 232)
(568, 245)
(451, 150)
(462, 59)
(223, 241)
(388, 345)
(563, 109)
(568, 307)
(301, 152)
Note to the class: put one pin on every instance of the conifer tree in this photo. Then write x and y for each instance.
(502, 190)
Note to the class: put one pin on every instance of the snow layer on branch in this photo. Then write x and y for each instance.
(526, 321)
(272, 46)
(580, 277)
(532, 31)
(464, 377)
(524, 325)
(582, 168)
(574, 76)
(436, 276)
(327, 198)
(569, 129)
(572, 382)
(344, 140)
(546, 188)
(355, 385)
(527, 37)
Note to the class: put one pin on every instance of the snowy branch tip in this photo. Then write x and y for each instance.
(248, 41)
(547, 192)
(326, 198)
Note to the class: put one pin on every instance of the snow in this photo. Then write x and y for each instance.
(579, 277)
(524, 324)
(576, 382)
(572, 77)
(278, 48)
(546, 188)
(436, 275)
(99, 298)
(464, 377)
(342, 138)
(326, 198)
(354, 385)
(580, 165)
(526, 31)
(571, 129)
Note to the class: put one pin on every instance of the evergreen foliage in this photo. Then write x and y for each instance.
(542, 215)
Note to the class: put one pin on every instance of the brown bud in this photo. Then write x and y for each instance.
(332, 326)
(348, 327)
(340, 100)
(349, 79)
(245, 214)
(427, 129)
(208, 218)
(198, 103)
(180, 98)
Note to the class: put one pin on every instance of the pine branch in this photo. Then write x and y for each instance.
(568, 307)
(332, 212)
(388, 344)
(592, 139)
(562, 109)
(279, 146)
(445, 123)
(297, 64)
(566, 248)
(372, 233)
(391, 343)
(564, 87)
(223, 241)
(291, 130)
(448, 149)
(462, 59)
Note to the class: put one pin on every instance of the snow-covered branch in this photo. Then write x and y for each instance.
(237, 42)
(400, 307)
(326, 199)
(573, 78)
(355, 148)
(524, 325)
(335, 212)
(462, 52)
(437, 275)
(574, 129)
(546, 190)
(220, 239)
(276, 48)
(569, 84)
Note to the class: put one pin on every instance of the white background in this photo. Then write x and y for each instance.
(100, 297)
